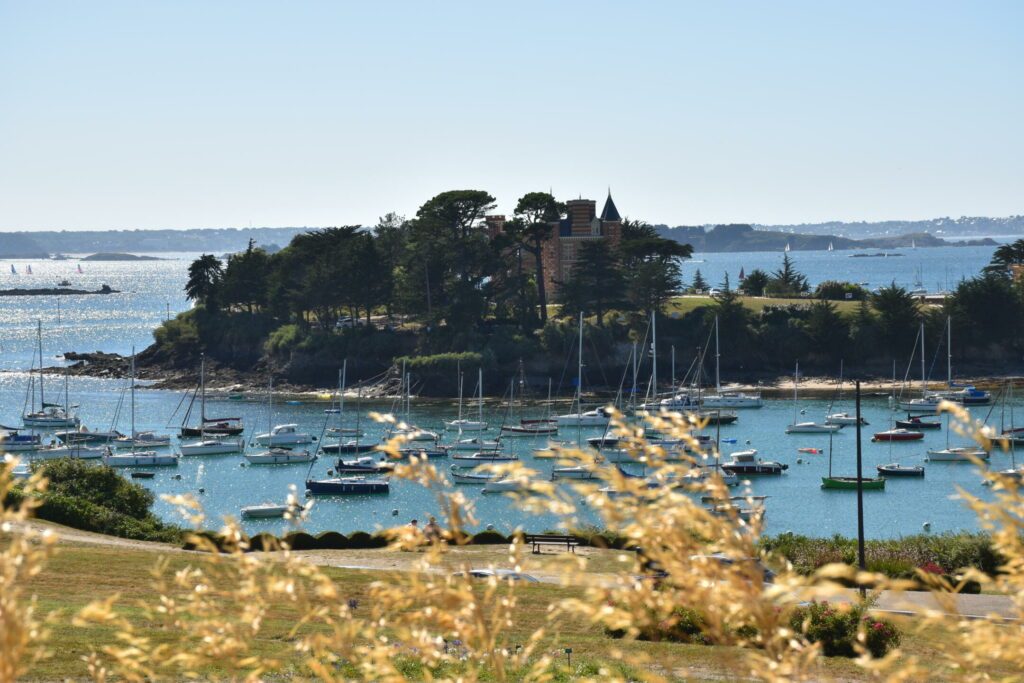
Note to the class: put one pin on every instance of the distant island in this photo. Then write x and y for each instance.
(744, 237)
(57, 291)
(804, 236)
(116, 256)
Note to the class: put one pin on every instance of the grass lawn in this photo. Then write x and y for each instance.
(80, 573)
(684, 304)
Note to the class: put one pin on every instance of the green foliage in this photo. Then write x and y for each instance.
(300, 540)
(834, 290)
(898, 315)
(650, 265)
(787, 281)
(596, 281)
(699, 285)
(952, 552)
(489, 538)
(178, 337)
(1005, 256)
(836, 627)
(331, 540)
(440, 371)
(282, 340)
(204, 276)
(96, 498)
(755, 283)
(360, 540)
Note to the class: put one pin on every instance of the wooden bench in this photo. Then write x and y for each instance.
(537, 540)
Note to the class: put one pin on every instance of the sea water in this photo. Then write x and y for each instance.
(796, 502)
(224, 484)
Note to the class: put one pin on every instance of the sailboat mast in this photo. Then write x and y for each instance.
(924, 381)
(202, 392)
(133, 400)
(341, 395)
(673, 378)
(796, 379)
(480, 395)
(270, 408)
(632, 398)
(718, 376)
(460, 395)
(949, 351)
(654, 356)
(579, 372)
(39, 338)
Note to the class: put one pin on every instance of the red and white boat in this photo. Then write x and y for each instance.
(898, 435)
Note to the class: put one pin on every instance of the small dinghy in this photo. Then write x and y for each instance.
(264, 511)
(143, 475)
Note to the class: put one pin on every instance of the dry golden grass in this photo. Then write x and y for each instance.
(249, 616)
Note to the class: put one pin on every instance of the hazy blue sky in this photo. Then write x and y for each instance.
(199, 114)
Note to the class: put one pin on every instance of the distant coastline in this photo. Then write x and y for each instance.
(118, 256)
(57, 291)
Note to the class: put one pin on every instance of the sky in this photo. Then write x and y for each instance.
(217, 114)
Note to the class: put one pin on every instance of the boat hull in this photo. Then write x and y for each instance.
(273, 457)
(346, 487)
(213, 447)
(850, 483)
(895, 470)
(140, 460)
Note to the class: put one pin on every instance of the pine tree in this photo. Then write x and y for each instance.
(699, 284)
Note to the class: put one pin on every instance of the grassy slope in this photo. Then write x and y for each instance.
(685, 304)
(80, 573)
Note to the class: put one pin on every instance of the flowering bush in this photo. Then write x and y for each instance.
(838, 627)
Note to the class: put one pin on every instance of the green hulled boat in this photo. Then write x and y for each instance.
(869, 483)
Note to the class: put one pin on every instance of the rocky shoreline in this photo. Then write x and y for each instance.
(220, 378)
(57, 291)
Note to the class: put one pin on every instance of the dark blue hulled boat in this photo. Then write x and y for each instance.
(347, 448)
(347, 486)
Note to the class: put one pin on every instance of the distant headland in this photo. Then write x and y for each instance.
(117, 256)
(57, 291)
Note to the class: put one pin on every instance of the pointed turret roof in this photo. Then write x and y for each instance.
(610, 213)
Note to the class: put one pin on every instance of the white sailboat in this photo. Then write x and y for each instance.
(136, 458)
(597, 417)
(210, 444)
(275, 455)
(464, 425)
(410, 431)
(341, 429)
(796, 427)
(926, 402)
(49, 415)
(729, 399)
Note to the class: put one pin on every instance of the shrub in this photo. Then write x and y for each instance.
(361, 540)
(264, 542)
(834, 290)
(331, 540)
(836, 628)
(282, 340)
(490, 538)
(300, 540)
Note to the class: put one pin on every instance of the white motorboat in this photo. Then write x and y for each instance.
(140, 459)
(213, 447)
(413, 433)
(843, 419)
(732, 399)
(465, 475)
(812, 428)
(21, 471)
(921, 404)
(597, 417)
(486, 456)
(284, 435)
(265, 511)
(141, 440)
(677, 403)
(475, 444)
(344, 431)
(506, 485)
(280, 456)
(573, 472)
(747, 462)
(964, 454)
(77, 451)
(14, 442)
(465, 426)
